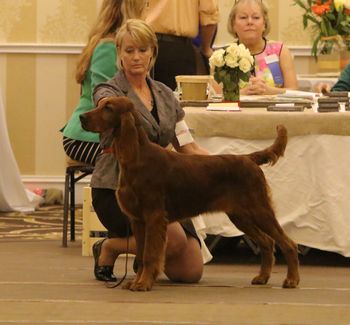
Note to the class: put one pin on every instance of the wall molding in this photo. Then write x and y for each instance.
(42, 48)
(48, 179)
(300, 50)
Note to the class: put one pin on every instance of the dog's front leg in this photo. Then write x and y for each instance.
(153, 251)
(138, 229)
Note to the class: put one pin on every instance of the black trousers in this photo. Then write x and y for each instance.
(176, 56)
(108, 212)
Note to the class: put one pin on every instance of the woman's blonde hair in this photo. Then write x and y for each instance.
(233, 13)
(111, 16)
(142, 34)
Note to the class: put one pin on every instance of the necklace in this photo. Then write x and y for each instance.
(260, 48)
(146, 97)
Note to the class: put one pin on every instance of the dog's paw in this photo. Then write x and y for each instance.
(128, 285)
(260, 279)
(144, 283)
(141, 286)
(290, 283)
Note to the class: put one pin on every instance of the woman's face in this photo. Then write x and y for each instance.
(249, 23)
(135, 58)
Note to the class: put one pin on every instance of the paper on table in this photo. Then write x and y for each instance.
(232, 107)
(254, 98)
(299, 94)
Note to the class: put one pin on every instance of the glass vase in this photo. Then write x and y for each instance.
(334, 54)
(231, 86)
(231, 91)
(344, 59)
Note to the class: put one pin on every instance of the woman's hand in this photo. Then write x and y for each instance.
(323, 87)
(256, 86)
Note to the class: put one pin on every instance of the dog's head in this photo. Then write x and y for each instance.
(106, 115)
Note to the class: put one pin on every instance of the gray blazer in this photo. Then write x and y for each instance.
(106, 170)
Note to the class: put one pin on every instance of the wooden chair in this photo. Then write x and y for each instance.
(93, 230)
(75, 171)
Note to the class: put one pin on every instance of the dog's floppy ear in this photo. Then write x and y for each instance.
(127, 143)
(103, 101)
(122, 103)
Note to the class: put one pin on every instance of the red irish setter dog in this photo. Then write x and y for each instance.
(159, 186)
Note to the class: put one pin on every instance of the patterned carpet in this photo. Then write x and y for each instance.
(44, 223)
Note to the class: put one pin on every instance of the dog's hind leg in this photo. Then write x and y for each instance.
(270, 226)
(265, 243)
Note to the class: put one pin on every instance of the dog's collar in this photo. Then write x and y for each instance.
(107, 150)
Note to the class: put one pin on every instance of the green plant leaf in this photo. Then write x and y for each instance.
(300, 4)
(305, 19)
(313, 19)
(243, 75)
(315, 47)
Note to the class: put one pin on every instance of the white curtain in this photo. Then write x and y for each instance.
(13, 195)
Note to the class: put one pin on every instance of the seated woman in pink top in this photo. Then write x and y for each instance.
(274, 66)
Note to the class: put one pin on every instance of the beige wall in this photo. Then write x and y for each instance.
(286, 23)
(38, 88)
(39, 45)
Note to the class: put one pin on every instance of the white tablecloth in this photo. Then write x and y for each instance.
(310, 189)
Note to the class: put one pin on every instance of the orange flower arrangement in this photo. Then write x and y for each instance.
(320, 9)
(330, 21)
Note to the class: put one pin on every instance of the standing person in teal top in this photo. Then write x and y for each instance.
(97, 64)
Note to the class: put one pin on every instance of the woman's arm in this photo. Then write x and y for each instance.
(190, 148)
(258, 86)
(343, 83)
(103, 63)
(183, 141)
(288, 69)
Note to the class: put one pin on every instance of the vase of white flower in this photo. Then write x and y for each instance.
(232, 67)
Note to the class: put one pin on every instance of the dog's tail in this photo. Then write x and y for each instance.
(271, 154)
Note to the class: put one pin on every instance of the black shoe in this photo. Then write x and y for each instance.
(103, 272)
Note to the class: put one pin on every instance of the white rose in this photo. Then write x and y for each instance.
(250, 58)
(242, 49)
(244, 65)
(217, 59)
(231, 60)
(245, 53)
(233, 50)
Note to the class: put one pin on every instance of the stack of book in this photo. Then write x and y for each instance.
(334, 102)
(268, 100)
